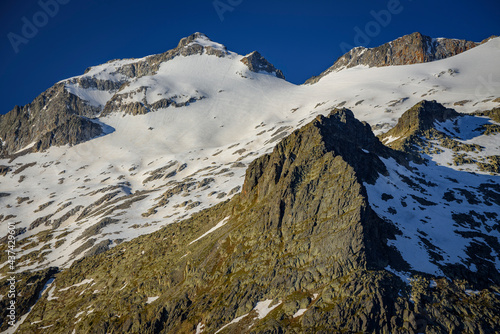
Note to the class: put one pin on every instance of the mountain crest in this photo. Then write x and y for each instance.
(409, 49)
(199, 43)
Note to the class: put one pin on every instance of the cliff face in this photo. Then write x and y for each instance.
(298, 251)
(410, 49)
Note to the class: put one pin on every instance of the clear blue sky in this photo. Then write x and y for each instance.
(302, 38)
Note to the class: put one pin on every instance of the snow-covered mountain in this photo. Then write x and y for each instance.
(134, 145)
(179, 128)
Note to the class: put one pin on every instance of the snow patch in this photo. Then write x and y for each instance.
(152, 299)
(300, 312)
(219, 225)
(85, 281)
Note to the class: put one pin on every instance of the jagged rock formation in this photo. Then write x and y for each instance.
(410, 49)
(298, 251)
(257, 63)
(416, 133)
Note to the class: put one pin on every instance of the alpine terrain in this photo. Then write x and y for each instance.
(198, 191)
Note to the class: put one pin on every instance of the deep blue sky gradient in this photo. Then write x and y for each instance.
(302, 38)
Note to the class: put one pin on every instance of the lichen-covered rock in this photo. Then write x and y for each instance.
(27, 287)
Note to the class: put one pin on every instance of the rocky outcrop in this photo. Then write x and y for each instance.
(257, 63)
(87, 82)
(410, 49)
(122, 103)
(27, 287)
(72, 131)
(414, 123)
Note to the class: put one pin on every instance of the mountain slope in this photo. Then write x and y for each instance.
(105, 88)
(299, 250)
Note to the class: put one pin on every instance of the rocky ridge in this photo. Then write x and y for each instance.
(40, 123)
(410, 49)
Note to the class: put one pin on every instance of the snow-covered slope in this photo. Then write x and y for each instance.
(178, 139)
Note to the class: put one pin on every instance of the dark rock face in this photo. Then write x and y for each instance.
(257, 63)
(74, 130)
(410, 49)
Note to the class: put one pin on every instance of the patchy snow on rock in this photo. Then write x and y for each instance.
(263, 308)
(85, 281)
(200, 328)
(125, 177)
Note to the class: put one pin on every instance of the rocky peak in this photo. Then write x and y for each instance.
(257, 63)
(199, 43)
(415, 121)
(409, 49)
(421, 117)
(338, 134)
(192, 38)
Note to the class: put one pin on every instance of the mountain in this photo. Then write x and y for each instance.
(299, 249)
(195, 189)
(64, 113)
(410, 49)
